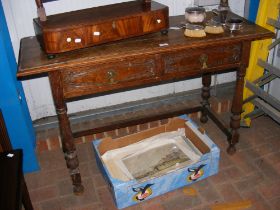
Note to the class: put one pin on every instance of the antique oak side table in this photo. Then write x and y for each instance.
(141, 61)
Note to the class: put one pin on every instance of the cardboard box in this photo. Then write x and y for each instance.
(134, 191)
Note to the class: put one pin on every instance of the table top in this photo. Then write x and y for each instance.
(34, 62)
(10, 179)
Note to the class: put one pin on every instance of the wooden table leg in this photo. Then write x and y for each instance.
(205, 94)
(68, 144)
(236, 109)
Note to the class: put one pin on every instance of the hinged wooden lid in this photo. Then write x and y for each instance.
(42, 12)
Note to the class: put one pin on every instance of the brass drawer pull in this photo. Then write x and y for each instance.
(111, 76)
(203, 60)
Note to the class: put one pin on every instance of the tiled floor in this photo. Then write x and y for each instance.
(251, 175)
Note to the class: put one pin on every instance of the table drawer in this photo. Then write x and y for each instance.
(99, 78)
(201, 59)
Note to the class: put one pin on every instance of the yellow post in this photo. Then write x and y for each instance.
(259, 50)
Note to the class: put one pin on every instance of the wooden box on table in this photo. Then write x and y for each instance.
(83, 28)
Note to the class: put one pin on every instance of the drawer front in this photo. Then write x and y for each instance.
(102, 32)
(100, 78)
(201, 60)
(129, 27)
(66, 40)
(154, 21)
(113, 30)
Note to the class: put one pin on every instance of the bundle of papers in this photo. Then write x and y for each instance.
(151, 157)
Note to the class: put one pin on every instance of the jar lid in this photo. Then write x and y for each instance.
(195, 10)
(234, 24)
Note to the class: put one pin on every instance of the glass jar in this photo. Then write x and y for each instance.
(195, 14)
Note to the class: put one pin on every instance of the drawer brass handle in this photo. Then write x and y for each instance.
(111, 76)
(203, 60)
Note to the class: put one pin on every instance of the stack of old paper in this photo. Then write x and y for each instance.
(151, 157)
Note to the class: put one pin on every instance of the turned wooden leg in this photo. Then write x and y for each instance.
(68, 144)
(69, 150)
(205, 94)
(236, 110)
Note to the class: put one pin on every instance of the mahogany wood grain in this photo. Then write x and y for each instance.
(83, 28)
(137, 62)
(39, 3)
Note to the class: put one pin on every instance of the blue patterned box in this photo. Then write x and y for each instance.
(133, 192)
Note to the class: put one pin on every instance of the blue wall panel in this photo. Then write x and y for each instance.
(253, 10)
(13, 103)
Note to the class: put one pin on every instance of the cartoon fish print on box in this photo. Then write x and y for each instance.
(142, 193)
(196, 173)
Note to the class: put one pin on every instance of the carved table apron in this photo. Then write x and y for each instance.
(142, 61)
